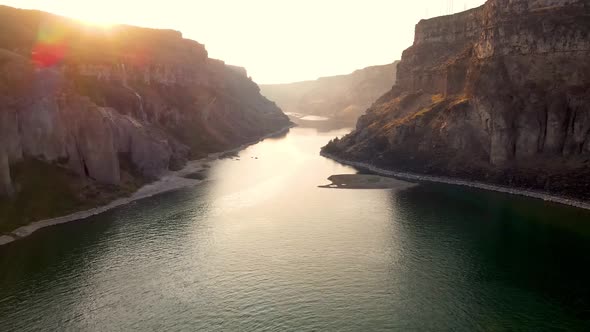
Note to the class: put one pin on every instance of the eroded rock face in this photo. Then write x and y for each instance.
(93, 140)
(500, 93)
(9, 134)
(148, 95)
(38, 116)
(149, 149)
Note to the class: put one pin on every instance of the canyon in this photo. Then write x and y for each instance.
(498, 94)
(459, 202)
(341, 98)
(88, 114)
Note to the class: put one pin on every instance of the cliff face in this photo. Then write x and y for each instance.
(500, 93)
(343, 97)
(88, 100)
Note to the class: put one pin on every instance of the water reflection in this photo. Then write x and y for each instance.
(259, 246)
(496, 261)
(324, 125)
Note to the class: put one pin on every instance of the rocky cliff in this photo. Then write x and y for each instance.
(343, 97)
(499, 93)
(110, 105)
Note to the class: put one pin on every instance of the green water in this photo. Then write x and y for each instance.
(259, 247)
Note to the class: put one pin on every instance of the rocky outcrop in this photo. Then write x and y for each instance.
(343, 97)
(6, 189)
(499, 93)
(91, 100)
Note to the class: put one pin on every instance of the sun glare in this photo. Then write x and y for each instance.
(99, 24)
(96, 20)
(91, 14)
(267, 36)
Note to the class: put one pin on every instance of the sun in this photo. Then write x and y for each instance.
(92, 14)
(99, 24)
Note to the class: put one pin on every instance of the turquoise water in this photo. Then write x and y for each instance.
(259, 247)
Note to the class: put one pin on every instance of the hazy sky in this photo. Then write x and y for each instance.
(276, 40)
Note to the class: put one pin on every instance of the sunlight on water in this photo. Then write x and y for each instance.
(259, 247)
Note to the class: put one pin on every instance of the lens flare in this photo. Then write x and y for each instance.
(51, 46)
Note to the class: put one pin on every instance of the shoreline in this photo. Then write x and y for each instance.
(453, 181)
(170, 181)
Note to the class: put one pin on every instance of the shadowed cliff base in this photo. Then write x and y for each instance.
(50, 190)
(459, 182)
(499, 94)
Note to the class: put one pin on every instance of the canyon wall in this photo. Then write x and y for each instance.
(499, 93)
(106, 103)
(343, 97)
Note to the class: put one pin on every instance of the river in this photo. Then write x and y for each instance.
(259, 247)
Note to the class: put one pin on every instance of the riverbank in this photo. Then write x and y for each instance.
(171, 181)
(472, 184)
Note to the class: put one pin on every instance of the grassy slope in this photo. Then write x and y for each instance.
(49, 191)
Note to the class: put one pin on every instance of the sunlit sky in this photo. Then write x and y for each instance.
(278, 41)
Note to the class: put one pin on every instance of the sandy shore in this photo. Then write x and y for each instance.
(479, 185)
(168, 182)
(366, 181)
